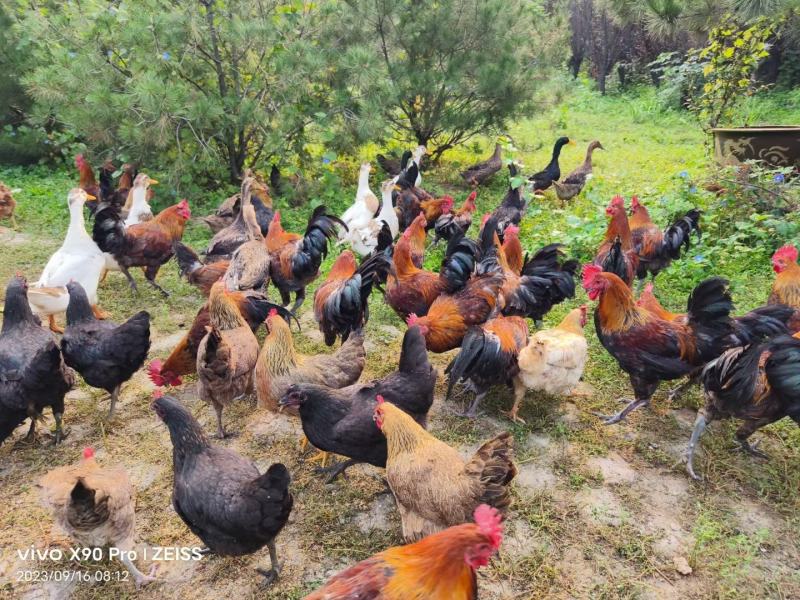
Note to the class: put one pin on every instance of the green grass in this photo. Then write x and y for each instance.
(661, 157)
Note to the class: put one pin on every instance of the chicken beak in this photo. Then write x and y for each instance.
(396, 188)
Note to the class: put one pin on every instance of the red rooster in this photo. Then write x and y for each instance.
(786, 287)
(451, 223)
(616, 254)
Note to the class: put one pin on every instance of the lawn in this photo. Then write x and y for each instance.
(600, 512)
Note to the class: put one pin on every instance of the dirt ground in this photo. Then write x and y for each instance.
(598, 512)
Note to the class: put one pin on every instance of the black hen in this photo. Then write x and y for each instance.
(393, 166)
(552, 172)
(32, 372)
(759, 384)
(340, 421)
(104, 353)
(220, 495)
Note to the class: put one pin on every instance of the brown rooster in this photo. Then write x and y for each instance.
(226, 356)
(434, 487)
(279, 365)
(488, 357)
(253, 306)
(452, 223)
(417, 236)
(451, 315)
(295, 259)
(786, 287)
(7, 204)
(94, 506)
(433, 208)
(341, 303)
(147, 244)
(617, 254)
(441, 566)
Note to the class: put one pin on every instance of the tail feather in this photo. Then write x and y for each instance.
(763, 323)
(493, 465)
(476, 351)
(108, 230)
(678, 234)
(614, 261)
(188, 260)
(321, 229)
(708, 311)
(783, 370)
(459, 262)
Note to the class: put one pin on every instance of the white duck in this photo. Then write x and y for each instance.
(366, 204)
(140, 209)
(79, 259)
(363, 241)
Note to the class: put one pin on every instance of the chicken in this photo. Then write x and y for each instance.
(573, 184)
(617, 254)
(279, 365)
(512, 249)
(542, 282)
(411, 290)
(417, 236)
(253, 306)
(553, 360)
(451, 315)
(452, 223)
(511, 210)
(786, 287)
(758, 384)
(226, 355)
(295, 259)
(140, 210)
(86, 178)
(147, 245)
(220, 495)
(200, 275)
(341, 303)
(7, 204)
(552, 172)
(365, 207)
(340, 420)
(249, 265)
(433, 208)
(95, 507)
(651, 349)
(656, 249)
(441, 566)
(488, 357)
(478, 173)
(32, 371)
(226, 212)
(225, 241)
(224, 215)
(122, 195)
(433, 486)
(104, 353)
(78, 259)
(409, 195)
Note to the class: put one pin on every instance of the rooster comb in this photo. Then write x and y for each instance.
(273, 312)
(648, 289)
(490, 522)
(157, 394)
(184, 203)
(788, 252)
(590, 271)
(276, 218)
(511, 230)
(379, 399)
(79, 160)
(88, 452)
(472, 196)
(412, 320)
(618, 201)
(635, 202)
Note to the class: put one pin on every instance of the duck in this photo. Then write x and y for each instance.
(365, 207)
(379, 233)
(392, 165)
(480, 172)
(416, 159)
(140, 209)
(575, 181)
(552, 172)
(78, 259)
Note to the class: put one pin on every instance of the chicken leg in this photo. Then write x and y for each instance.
(636, 403)
(99, 313)
(139, 578)
(472, 411)
(131, 280)
(114, 397)
(699, 427)
(519, 394)
(220, 428)
(60, 434)
(299, 298)
(275, 570)
(335, 470)
(53, 325)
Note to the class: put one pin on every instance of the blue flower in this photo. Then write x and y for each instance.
(165, 56)
(693, 189)
(684, 174)
(109, 53)
(326, 160)
(47, 142)
(779, 178)
(71, 54)
(699, 258)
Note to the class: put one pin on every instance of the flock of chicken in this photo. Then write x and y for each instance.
(477, 302)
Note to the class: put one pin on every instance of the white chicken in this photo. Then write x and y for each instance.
(140, 209)
(366, 204)
(365, 240)
(79, 259)
(553, 360)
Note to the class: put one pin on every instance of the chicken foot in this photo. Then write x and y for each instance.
(131, 280)
(519, 394)
(60, 435)
(472, 411)
(336, 469)
(275, 570)
(139, 578)
(611, 420)
(99, 313)
(51, 320)
(299, 298)
(220, 428)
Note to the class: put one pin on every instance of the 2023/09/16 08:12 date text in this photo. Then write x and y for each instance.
(69, 575)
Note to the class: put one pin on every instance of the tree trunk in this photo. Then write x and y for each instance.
(575, 62)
